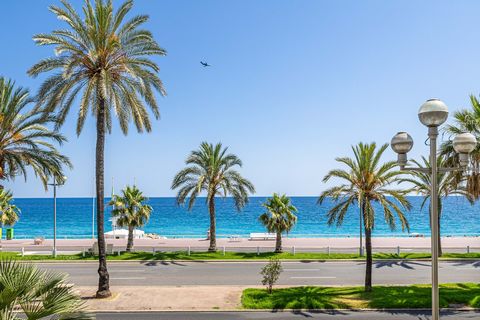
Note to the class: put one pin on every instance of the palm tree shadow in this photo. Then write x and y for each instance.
(475, 264)
(300, 299)
(310, 312)
(426, 314)
(312, 261)
(401, 263)
(154, 263)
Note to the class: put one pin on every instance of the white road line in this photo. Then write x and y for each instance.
(292, 270)
(130, 270)
(129, 278)
(313, 277)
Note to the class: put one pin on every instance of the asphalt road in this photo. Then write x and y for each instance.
(162, 273)
(336, 315)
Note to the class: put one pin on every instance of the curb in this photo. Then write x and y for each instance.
(253, 260)
(287, 310)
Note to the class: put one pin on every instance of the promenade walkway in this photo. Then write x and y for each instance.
(338, 245)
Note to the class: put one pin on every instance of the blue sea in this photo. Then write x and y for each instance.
(74, 218)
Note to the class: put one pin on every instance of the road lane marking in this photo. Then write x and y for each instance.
(313, 277)
(301, 270)
(129, 278)
(138, 270)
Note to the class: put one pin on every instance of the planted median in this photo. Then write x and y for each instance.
(382, 297)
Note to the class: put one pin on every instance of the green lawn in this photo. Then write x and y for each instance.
(388, 297)
(182, 255)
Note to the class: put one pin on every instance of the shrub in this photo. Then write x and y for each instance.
(271, 273)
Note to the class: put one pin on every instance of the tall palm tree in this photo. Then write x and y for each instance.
(447, 185)
(130, 211)
(8, 211)
(210, 169)
(279, 218)
(365, 182)
(102, 62)
(466, 120)
(27, 292)
(25, 140)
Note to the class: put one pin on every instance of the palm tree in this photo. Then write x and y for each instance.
(27, 292)
(210, 169)
(466, 120)
(8, 211)
(447, 185)
(102, 62)
(366, 182)
(279, 217)
(131, 211)
(25, 140)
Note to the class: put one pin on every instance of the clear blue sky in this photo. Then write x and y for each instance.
(293, 84)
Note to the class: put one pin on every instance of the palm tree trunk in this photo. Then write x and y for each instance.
(2, 173)
(368, 272)
(2, 178)
(439, 224)
(439, 239)
(103, 279)
(278, 243)
(213, 235)
(130, 239)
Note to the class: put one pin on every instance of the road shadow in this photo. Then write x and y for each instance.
(154, 263)
(386, 314)
(309, 313)
(401, 263)
(312, 261)
(475, 264)
(426, 314)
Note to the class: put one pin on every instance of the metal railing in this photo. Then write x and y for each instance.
(397, 250)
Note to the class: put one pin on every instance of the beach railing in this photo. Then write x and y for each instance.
(84, 250)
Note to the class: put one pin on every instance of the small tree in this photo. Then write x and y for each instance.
(8, 211)
(279, 217)
(271, 273)
(131, 211)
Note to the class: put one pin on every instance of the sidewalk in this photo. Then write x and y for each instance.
(140, 298)
(377, 242)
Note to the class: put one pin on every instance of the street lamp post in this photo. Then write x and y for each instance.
(432, 114)
(55, 184)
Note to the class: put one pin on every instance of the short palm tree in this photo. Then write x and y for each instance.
(8, 211)
(210, 169)
(365, 182)
(279, 218)
(466, 120)
(102, 64)
(131, 211)
(27, 292)
(25, 140)
(447, 185)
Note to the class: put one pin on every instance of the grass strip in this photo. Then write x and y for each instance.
(382, 297)
(183, 255)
